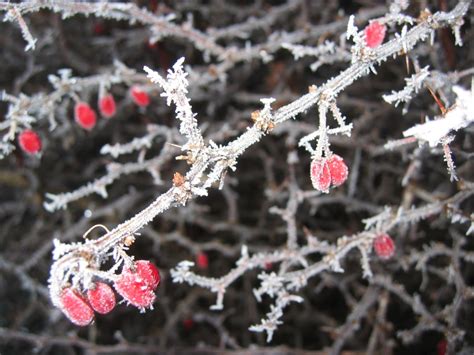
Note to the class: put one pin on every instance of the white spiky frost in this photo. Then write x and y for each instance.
(413, 85)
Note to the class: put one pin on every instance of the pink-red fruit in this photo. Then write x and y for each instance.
(338, 170)
(75, 307)
(329, 171)
(320, 174)
(30, 141)
(85, 116)
(101, 298)
(148, 272)
(107, 106)
(374, 34)
(442, 347)
(384, 246)
(134, 290)
(202, 260)
(137, 286)
(139, 96)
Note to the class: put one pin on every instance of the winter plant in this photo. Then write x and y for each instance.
(274, 177)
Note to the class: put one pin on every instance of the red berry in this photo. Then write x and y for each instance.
(151, 45)
(101, 298)
(338, 170)
(384, 246)
(320, 174)
(148, 272)
(107, 106)
(202, 260)
(85, 115)
(135, 291)
(30, 141)
(137, 286)
(99, 28)
(442, 347)
(139, 96)
(75, 307)
(153, 5)
(188, 323)
(374, 34)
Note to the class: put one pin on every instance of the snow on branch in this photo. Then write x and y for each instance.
(459, 116)
(441, 129)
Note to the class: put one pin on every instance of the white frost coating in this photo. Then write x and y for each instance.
(209, 164)
(460, 116)
(175, 90)
(414, 83)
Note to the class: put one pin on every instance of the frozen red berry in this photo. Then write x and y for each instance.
(137, 286)
(139, 96)
(148, 272)
(202, 260)
(75, 307)
(107, 105)
(84, 115)
(320, 174)
(374, 34)
(338, 170)
(30, 141)
(384, 246)
(101, 298)
(132, 288)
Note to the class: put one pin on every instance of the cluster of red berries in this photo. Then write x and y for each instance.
(328, 171)
(384, 246)
(86, 117)
(135, 285)
(374, 34)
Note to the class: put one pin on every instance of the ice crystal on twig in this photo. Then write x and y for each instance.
(413, 85)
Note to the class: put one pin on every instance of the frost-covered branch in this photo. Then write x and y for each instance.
(440, 130)
(136, 144)
(160, 26)
(175, 88)
(413, 85)
(27, 111)
(209, 163)
(459, 116)
(331, 256)
(326, 53)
